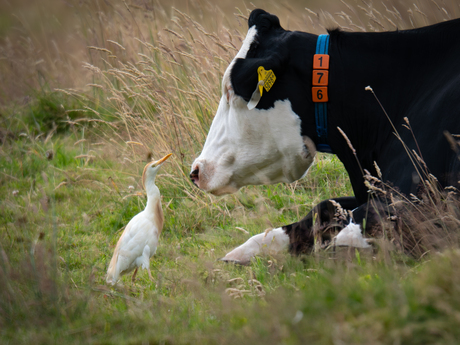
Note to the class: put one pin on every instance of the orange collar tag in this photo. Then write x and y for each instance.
(268, 78)
(320, 61)
(320, 80)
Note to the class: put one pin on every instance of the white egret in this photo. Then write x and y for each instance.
(139, 240)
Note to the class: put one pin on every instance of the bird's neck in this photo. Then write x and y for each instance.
(153, 207)
(153, 193)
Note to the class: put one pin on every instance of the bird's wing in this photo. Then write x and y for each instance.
(138, 233)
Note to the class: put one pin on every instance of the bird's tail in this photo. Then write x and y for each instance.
(112, 271)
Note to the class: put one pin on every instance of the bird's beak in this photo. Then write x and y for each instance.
(161, 161)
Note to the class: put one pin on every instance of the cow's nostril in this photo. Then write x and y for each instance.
(194, 175)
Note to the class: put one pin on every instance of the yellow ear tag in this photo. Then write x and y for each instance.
(268, 78)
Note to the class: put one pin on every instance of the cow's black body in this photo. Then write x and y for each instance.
(415, 74)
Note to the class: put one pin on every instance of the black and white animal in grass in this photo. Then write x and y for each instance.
(266, 136)
(139, 240)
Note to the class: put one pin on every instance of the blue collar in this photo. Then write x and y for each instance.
(322, 47)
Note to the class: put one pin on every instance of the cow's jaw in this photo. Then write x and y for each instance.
(251, 147)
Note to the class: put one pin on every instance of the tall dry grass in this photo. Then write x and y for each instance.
(417, 226)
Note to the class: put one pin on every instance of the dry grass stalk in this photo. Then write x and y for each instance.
(340, 213)
(379, 172)
(347, 140)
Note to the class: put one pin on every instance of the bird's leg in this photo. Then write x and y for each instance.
(133, 278)
(150, 274)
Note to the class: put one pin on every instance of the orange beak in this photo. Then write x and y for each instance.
(161, 161)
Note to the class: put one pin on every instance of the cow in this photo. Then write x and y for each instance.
(384, 111)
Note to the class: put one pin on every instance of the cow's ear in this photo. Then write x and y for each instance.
(263, 21)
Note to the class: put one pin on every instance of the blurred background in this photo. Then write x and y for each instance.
(43, 44)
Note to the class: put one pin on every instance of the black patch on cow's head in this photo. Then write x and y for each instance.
(289, 54)
(266, 50)
(263, 20)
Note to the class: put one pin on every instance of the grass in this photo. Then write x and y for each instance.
(124, 84)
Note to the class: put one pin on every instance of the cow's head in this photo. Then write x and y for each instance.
(256, 140)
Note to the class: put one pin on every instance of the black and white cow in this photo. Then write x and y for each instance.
(414, 73)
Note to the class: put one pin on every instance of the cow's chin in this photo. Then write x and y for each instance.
(224, 190)
(217, 190)
(234, 181)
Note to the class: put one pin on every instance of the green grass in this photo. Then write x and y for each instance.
(58, 231)
(74, 141)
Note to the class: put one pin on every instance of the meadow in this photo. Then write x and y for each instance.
(93, 90)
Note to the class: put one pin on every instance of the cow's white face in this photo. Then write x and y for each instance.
(251, 147)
